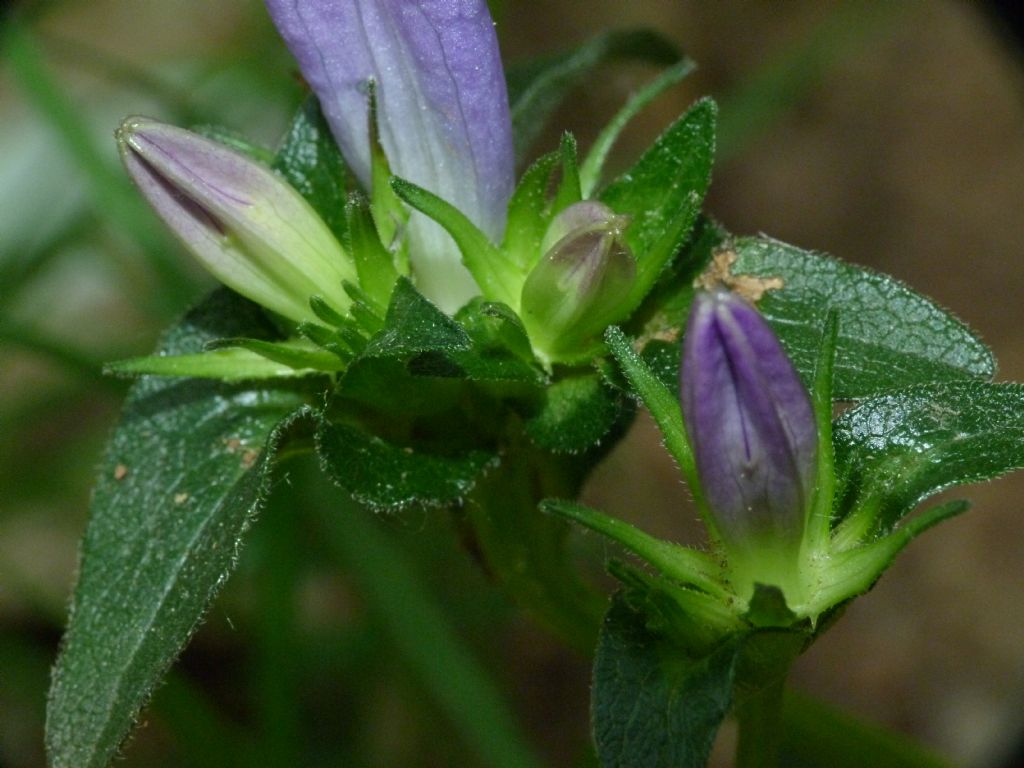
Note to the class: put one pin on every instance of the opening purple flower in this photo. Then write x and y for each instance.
(442, 109)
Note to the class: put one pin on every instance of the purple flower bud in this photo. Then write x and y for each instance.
(752, 430)
(442, 108)
(582, 282)
(247, 227)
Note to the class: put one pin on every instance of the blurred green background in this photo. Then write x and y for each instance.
(890, 134)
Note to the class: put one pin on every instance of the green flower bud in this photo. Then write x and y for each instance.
(581, 284)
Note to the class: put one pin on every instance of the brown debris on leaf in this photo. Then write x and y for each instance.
(719, 275)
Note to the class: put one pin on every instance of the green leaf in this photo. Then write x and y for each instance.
(386, 476)
(895, 450)
(652, 706)
(663, 192)
(536, 88)
(413, 325)
(310, 161)
(576, 413)
(184, 475)
(389, 214)
(889, 335)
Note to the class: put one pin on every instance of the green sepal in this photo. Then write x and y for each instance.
(499, 279)
(683, 565)
(389, 215)
(375, 264)
(692, 620)
(224, 364)
(529, 214)
(851, 572)
(344, 345)
(295, 353)
(568, 191)
(325, 312)
(662, 404)
(590, 170)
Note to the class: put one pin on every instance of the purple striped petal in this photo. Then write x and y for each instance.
(750, 423)
(442, 105)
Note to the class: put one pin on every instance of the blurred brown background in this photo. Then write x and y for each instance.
(890, 134)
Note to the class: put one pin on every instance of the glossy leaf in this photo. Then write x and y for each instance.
(184, 475)
(895, 450)
(536, 88)
(889, 335)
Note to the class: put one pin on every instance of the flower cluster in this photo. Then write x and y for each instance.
(414, 94)
(415, 97)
